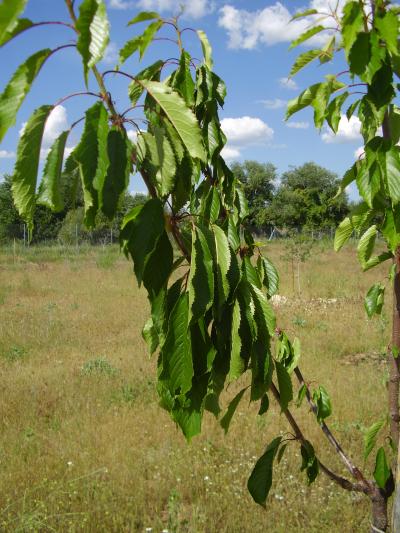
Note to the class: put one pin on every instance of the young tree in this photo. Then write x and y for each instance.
(211, 320)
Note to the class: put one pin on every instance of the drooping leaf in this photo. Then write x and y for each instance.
(354, 222)
(391, 227)
(370, 437)
(260, 480)
(374, 299)
(393, 174)
(9, 13)
(264, 406)
(201, 278)
(49, 189)
(93, 27)
(366, 245)
(303, 60)
(307, 35)
(304, 13)
(271, 277)
(183, 81)
(382, 471)
(141, 229)
(27, 163)
(116, 180)
(301, 101)
(309, 461)
(226, 419)
(156, 272)
(388, 25)
(20, 26)
(152, 72)
(284, 385)
(143, 16)
(223, 261)
(18, 87)
(149, 334)
(182, 118)
(176, 353)
(206, 47)
(352, 24)
(237, 363)
(323, 403)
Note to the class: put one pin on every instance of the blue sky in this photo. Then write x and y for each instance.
(250, 43)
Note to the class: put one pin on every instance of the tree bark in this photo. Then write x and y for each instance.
(379, 512)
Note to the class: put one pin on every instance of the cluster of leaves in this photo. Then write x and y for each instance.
(369, 40)
(207, 281)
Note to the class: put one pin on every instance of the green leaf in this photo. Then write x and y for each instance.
(27, 163)
(393, 174)
(49, 189)
(211, 206)
(333, 112)
(201, 278)
(304, 59)
(20, 26)
(156, 272)
(129, 48)
(18, 87)
(264, 406)
(182, 118)
(366, 245)
(223, 261)
(391, 228)
(265, 309)
(176, 353)
(301, 395)
(382, 471)
(323, 403)
(9, 13)
(147, 36)
(152, 72)
(141, 229)
(309, 461)
(302, 101)
(306, 35)
(226, 419)
(271, 277)
(260, 480)
(388, 26)
(284, 385)
(237, 363)
(183, 81)
(143, 16)
(354, 222)
(206, 47)
(93, 28)
(92, 158)
(352, 24)
(304, 13)
(370, 437)
(360, 53)
(374, 299)
(149, 334)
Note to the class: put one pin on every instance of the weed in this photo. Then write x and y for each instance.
(15, 353)
(98, 366)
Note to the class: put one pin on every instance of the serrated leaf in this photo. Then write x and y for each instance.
(391, 228)
(334, 110)
(354, 222)
(223, 260)
(156, 272)
(284, 385)
(149, 334)
(18, 87)
(182, 118)
(49, 189)
(301, 395)
(206, 47)
(352, 24)
(304, 13)
(393, 174)
(382, 471)
(226, 419)
(141, 229)
(366, 245)
(176, 353)
(304, 59)
(93, 27)
(306, 35)
(92, 158)
(201, 277)
(266, 309)
(183, 81)
(370, 437)
(374, 299)
(237, 363)
(9, 13)
(260, 480)
(211, 205)
(27, 163)
(388, 25)
(271, 277)
(116, 179)
(135, 90)
(20, 26)
(303, 100)
(143, 16)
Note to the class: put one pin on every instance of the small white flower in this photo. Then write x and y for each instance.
(70, 463)
(149, 529)
(206, 478)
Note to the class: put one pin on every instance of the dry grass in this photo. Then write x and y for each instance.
(84, 445)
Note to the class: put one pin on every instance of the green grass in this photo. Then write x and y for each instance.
(84, 445)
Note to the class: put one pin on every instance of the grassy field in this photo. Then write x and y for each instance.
(84, 445)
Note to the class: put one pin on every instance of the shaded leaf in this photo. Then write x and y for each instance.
(382, 471)
(201, 278)
(226, 419)
(260, 480)
(284, 385)
(374, 299)
(206, 47)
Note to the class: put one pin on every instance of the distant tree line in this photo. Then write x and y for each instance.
(302, 198)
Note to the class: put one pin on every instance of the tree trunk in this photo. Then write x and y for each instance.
(379, 512)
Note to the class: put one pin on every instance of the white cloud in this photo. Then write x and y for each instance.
(276, 103)
(288, 83)
(298, 125)
(246, 130)
(348, 131)
(56, 123)
(192, 8)
(229, 153)
(132, 135)
(272, 25)
(5, 154)
(120, 4)
(359, 153)
(111, 54)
